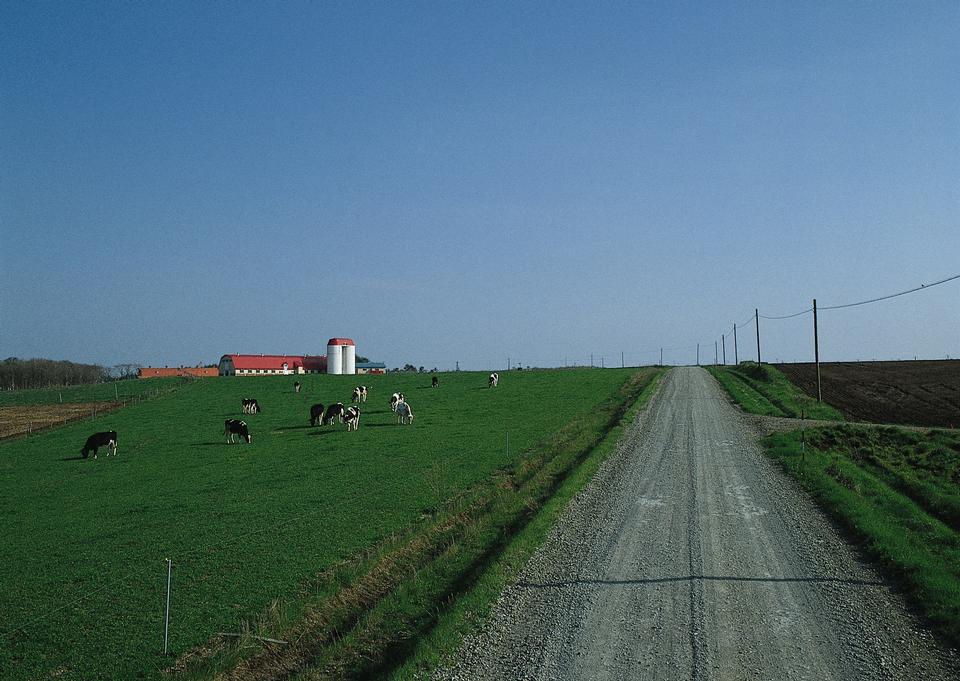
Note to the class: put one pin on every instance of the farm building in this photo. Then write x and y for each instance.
(198, 372)
(265, 365)
(371, 368)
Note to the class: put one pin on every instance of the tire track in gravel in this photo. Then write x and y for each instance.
(690, 555)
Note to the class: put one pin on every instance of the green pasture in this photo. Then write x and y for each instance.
(115, 391)
(765, 390)
(82, 595)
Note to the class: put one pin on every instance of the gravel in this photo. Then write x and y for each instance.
(691, 555)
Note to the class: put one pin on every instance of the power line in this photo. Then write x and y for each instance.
(788, 316)
(892, 295)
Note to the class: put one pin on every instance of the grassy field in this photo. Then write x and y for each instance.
(244, 524)
(95, 392)
(897, 492)
(24, 412)
(765, 390)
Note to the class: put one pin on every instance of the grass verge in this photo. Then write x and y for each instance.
(765, 390)
(896, 492)
(366, 616)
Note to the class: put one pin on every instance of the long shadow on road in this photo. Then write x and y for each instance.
(691, 578)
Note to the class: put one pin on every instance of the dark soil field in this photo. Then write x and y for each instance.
(29, 418)
(921, 393)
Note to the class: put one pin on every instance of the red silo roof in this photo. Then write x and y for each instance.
(340, 341)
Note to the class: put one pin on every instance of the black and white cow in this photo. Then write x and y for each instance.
(404, 413)
(97, 440)
(363, 393)
(235, 427)
(352, 417)
(493, 380)
(435, 383)
(334, 411)
(296, 387)
(316, 414)
(395, 399)
(250, 406)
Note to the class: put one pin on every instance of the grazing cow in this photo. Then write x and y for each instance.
(363, 393)
(234, 427)
(251, 406)
(355, 397)
(334, 411)
(316, 414)
(395, 399)
(352, 418)
(296, 387)
(97, 440)
(435, 383)
(494, 380)
(404, 413)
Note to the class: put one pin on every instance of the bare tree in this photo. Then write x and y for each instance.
(17, 373)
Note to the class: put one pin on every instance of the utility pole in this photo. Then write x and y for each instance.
(661, 356)
(716, 357)
(591, 360)
(756, 314)
(723, 339)
(816, 348)
(698, 354)
(621, 360)
(458, 366)
(508, 364)
(736, 359)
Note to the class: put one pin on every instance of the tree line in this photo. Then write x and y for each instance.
(17, 374)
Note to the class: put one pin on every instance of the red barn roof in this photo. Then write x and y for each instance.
(340, 341)
(276, 362)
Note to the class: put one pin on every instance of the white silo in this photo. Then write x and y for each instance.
(334, 358)
(341, 356)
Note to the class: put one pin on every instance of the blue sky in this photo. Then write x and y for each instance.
(469, 182)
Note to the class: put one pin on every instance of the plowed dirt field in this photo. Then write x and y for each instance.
(28, 418)
(921, 393)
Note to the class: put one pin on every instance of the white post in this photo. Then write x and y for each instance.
(166, 617)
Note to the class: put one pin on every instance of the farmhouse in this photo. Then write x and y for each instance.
(198, 372)
(371, 368)
(264, 365)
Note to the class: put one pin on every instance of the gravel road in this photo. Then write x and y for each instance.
(691, 556)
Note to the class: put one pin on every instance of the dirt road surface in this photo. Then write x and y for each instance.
(691, 556)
